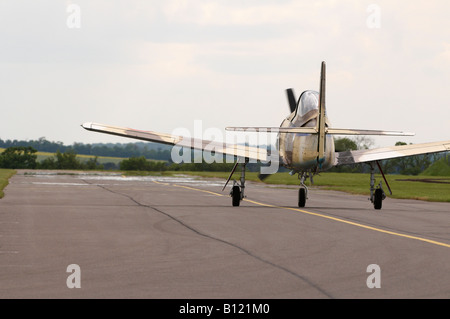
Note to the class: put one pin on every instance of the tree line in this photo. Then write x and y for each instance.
(25, 157)
(148, 150)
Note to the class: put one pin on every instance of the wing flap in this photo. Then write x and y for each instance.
(376, 154)
(194, 143)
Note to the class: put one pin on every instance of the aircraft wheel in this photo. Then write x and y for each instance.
(236, 195)
(301, 197)
(378, 198)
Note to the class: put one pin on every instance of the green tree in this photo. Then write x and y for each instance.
(18, 157)
(363, 142)
(344, 144)
(409, 165)
(142, 164)
(67, 160)
(93, 163)
(48, 163)
(135, 164)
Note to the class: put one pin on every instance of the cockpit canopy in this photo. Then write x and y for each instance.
(307, 109)
(308, 101)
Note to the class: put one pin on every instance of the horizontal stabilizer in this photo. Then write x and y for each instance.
(341, 131)
(313, 130)
(250, 129)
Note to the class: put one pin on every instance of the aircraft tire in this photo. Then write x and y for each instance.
(378, 199)
(236, 195)
(301, 197)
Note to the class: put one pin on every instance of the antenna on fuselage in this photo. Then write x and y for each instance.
(321, 118)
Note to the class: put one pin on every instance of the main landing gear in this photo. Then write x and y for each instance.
(377, 194)
(303, 190)
(237, 191)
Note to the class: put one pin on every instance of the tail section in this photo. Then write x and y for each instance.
(321, 118)
(320, 128)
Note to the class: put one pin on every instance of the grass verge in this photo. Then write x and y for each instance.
(5, 175)
(429, 188)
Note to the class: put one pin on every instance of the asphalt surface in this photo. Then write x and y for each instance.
(177, 237)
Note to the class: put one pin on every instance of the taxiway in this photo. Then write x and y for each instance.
(179, 237)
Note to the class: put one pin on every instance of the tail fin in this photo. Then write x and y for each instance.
(321, 119)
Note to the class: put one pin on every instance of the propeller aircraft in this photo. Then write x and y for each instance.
(305, 145)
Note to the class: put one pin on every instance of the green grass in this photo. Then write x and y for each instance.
(429, 188)
(5, 174)
(438, 168)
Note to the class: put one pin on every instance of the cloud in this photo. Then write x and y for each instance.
(233, 58)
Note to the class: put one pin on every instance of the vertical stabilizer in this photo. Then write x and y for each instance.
(321, 118)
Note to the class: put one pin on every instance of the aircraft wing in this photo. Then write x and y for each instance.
(194, 143)
(376, 154)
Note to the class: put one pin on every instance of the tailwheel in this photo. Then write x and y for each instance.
(301, 197)
(236, 195)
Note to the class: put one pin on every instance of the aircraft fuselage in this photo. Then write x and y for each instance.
(299, 152)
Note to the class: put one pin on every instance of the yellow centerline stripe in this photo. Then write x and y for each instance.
(323, 216)
(197, 189)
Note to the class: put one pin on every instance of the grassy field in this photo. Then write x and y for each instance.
(5, 174)
(430, 188)
(100, 159)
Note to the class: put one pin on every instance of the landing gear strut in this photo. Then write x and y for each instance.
(237, 191)
(377, 194)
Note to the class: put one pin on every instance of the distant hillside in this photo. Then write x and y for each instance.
(438, 168)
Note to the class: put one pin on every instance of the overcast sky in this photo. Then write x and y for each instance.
(161, 65)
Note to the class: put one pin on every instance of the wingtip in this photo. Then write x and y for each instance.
(87, 125)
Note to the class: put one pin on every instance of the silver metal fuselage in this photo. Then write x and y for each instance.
(299, 152)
